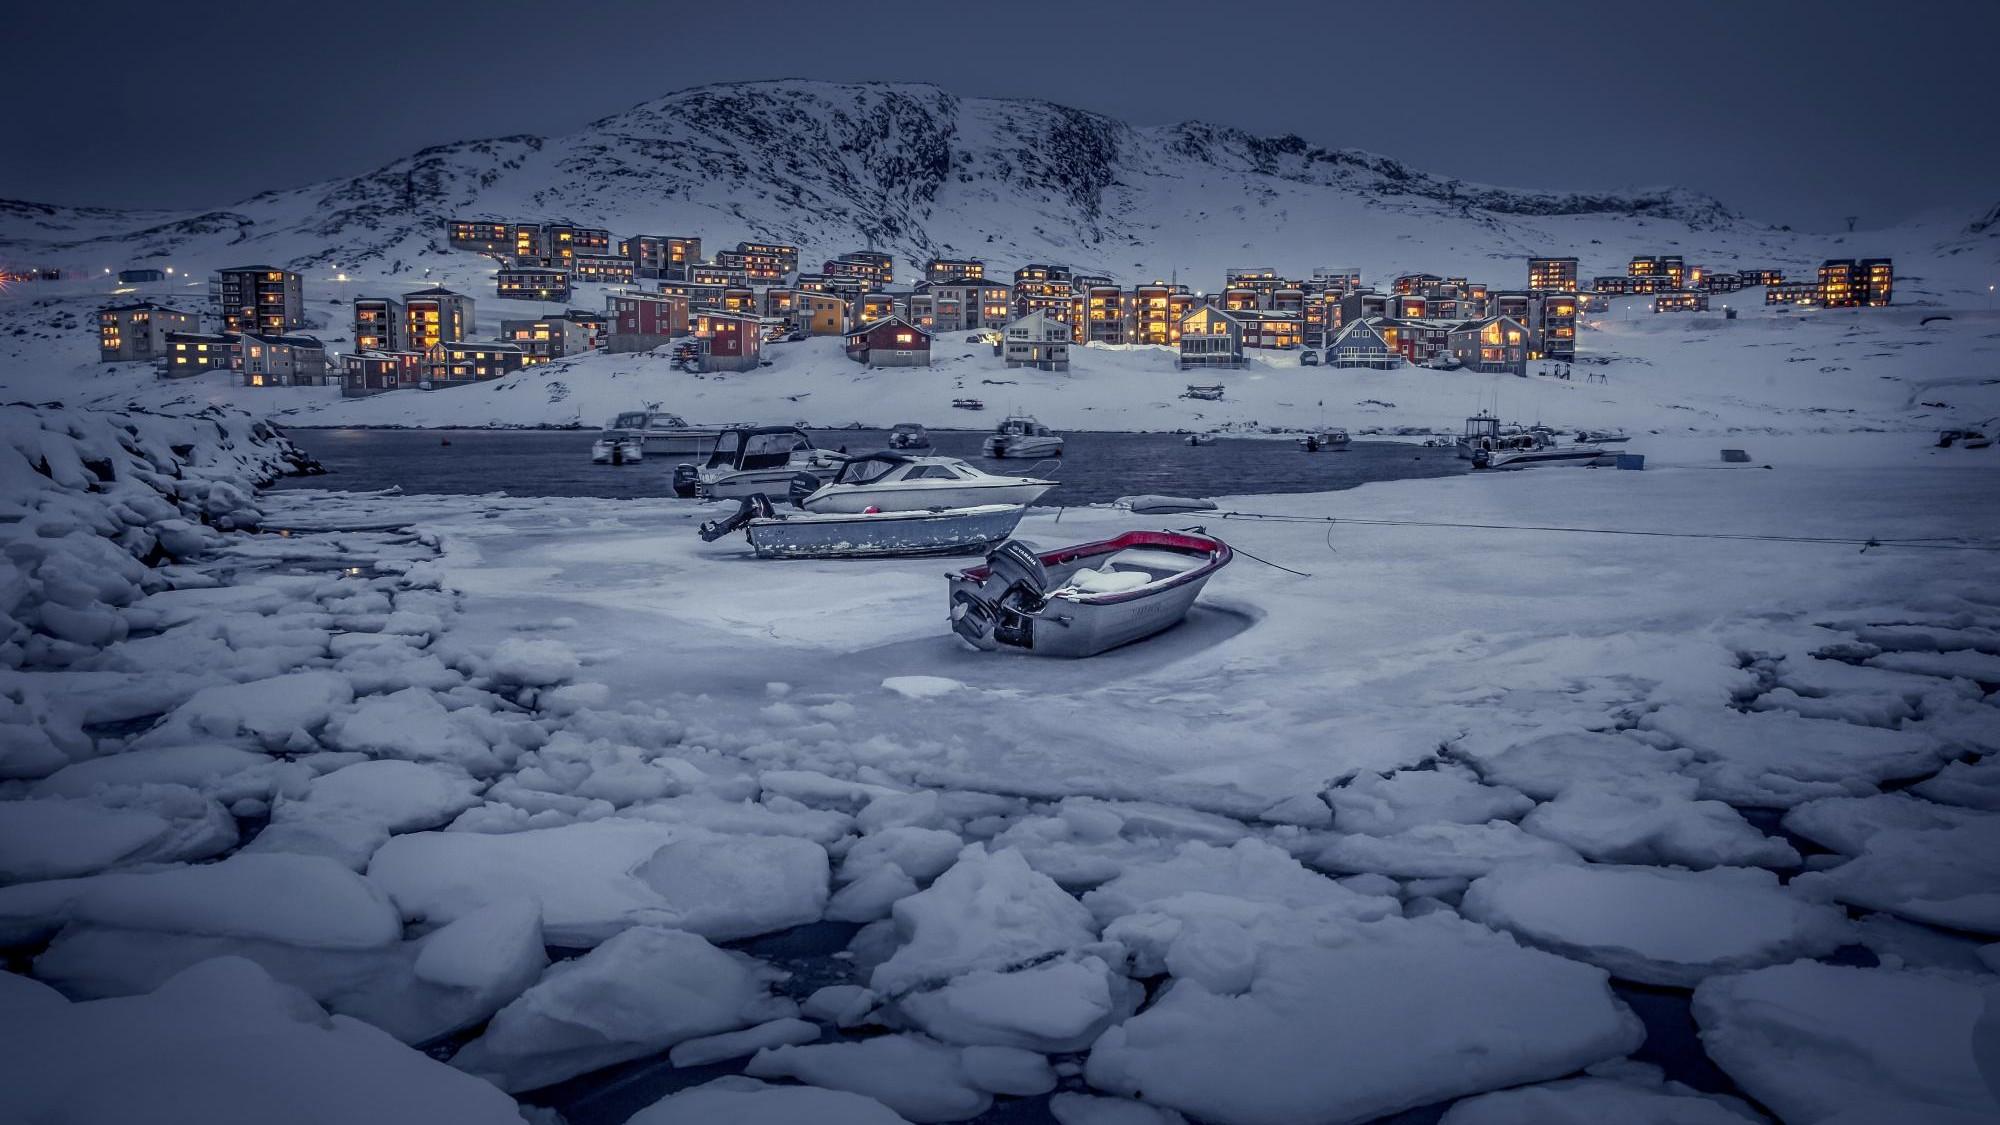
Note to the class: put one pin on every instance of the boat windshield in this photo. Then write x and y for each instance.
(630, 420)
(864, 471)
(768, 451)
(908, 428)
(661, 421)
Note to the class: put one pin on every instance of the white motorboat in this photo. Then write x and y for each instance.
(1537, 447)
(897, 482)
(667, 434)
(757, 461)
(1021, 436)
(776, 534)
(1483, 431)
(1603, 437)
(909, 435)
(1082, 600)
(617, 447)
(1201, 439)
(1324, 439)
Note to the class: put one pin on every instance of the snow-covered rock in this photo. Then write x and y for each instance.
(1346, 1026)
(989, 911)
(597, 878)
(222, 1043)
(638, 993)
(1433, 851)
(736, 1100)
(1384, 806)
(1656, 925)
(919, 1078)
(1777, 759)
(1663, 823)
(1814, 1041)
(1053, 1007)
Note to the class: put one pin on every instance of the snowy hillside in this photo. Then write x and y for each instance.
(914, 170)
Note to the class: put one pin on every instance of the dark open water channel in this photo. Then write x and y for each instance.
(1096, 467)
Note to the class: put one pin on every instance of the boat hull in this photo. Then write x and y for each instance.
(676, 442)
(887, 534)
(1530, 458)
(631, 454)
(1074, 625)
(919, 498)
(1024, 448)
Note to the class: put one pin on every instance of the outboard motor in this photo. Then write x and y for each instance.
(998, 612)
(802, 486)
(686, 481)
(753, 507)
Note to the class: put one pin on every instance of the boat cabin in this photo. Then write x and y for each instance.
(1022, 425)
(884, 468)
(757, 447)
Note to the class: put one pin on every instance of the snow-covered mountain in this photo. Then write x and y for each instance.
(909, 168)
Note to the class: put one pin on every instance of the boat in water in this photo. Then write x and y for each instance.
(1020, 435)
(757, 460)
(900, 482)
(909, 435)
(1201, 439)
(1483, 431)
(1085, 599)
(617, 447)
(667, 434)
(776, 534)
(1537, 447)
(1335, 439)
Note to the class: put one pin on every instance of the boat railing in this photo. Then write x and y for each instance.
(1054, 466)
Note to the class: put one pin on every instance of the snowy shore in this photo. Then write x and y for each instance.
(300, 781)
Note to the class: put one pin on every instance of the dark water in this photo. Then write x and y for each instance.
(1096, 467)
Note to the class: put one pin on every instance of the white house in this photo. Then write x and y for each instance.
(1038, 340)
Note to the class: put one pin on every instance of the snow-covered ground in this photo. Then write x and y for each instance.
(515, 780)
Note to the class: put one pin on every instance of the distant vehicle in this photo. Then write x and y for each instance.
(967, 404)
(1309, 358)
(794, 336)
(1207, 392)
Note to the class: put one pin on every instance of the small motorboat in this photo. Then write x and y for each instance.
(1603, 437)
(1020, 435)
(1536, 447)
(1201, 439)
(909, 435)
(756, 460)
(1207, 392)
(898, 482)
(967, 404)
(775, 534)
(618, 447)
(1335, 439)
(1086, 599)
(667, 434)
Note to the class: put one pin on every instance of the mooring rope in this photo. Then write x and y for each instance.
(1930, 542)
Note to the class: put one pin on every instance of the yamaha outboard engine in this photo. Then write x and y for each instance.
(1015, 583)
(802, 486)
(753, 507)
(686, 480)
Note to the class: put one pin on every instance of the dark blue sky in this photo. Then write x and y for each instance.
(1797, 113)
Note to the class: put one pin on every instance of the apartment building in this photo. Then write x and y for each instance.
(1496, 345)
(1157, 311)
(372, 373)
(435, 316)
(1043, 288)
(468, 361)
(191, 353)
(1037, 340)
(1211, 337)
(892, 341)
(139, 330)
(378, 324)
(657, 257)
(260, 299)
(282, 361)
(547, 338)
(640, 322)
(729, 341)
(1680, 300)
(871, 268)
(939, 270)
(1848, 283)
(1552, 275)
(532, 283)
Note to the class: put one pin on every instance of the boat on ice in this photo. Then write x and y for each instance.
(1084, 599)
(1536, 447)
(776, 534)
(909, 435)
(667, 434)
(1207, 392)
(1603, 437)
(1335, 439)
(967, 404)
(617, 447)
(755, 460)
(1020, 435)
(1483, 431)
(899, 482)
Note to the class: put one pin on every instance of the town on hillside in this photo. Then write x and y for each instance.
(718, 312)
